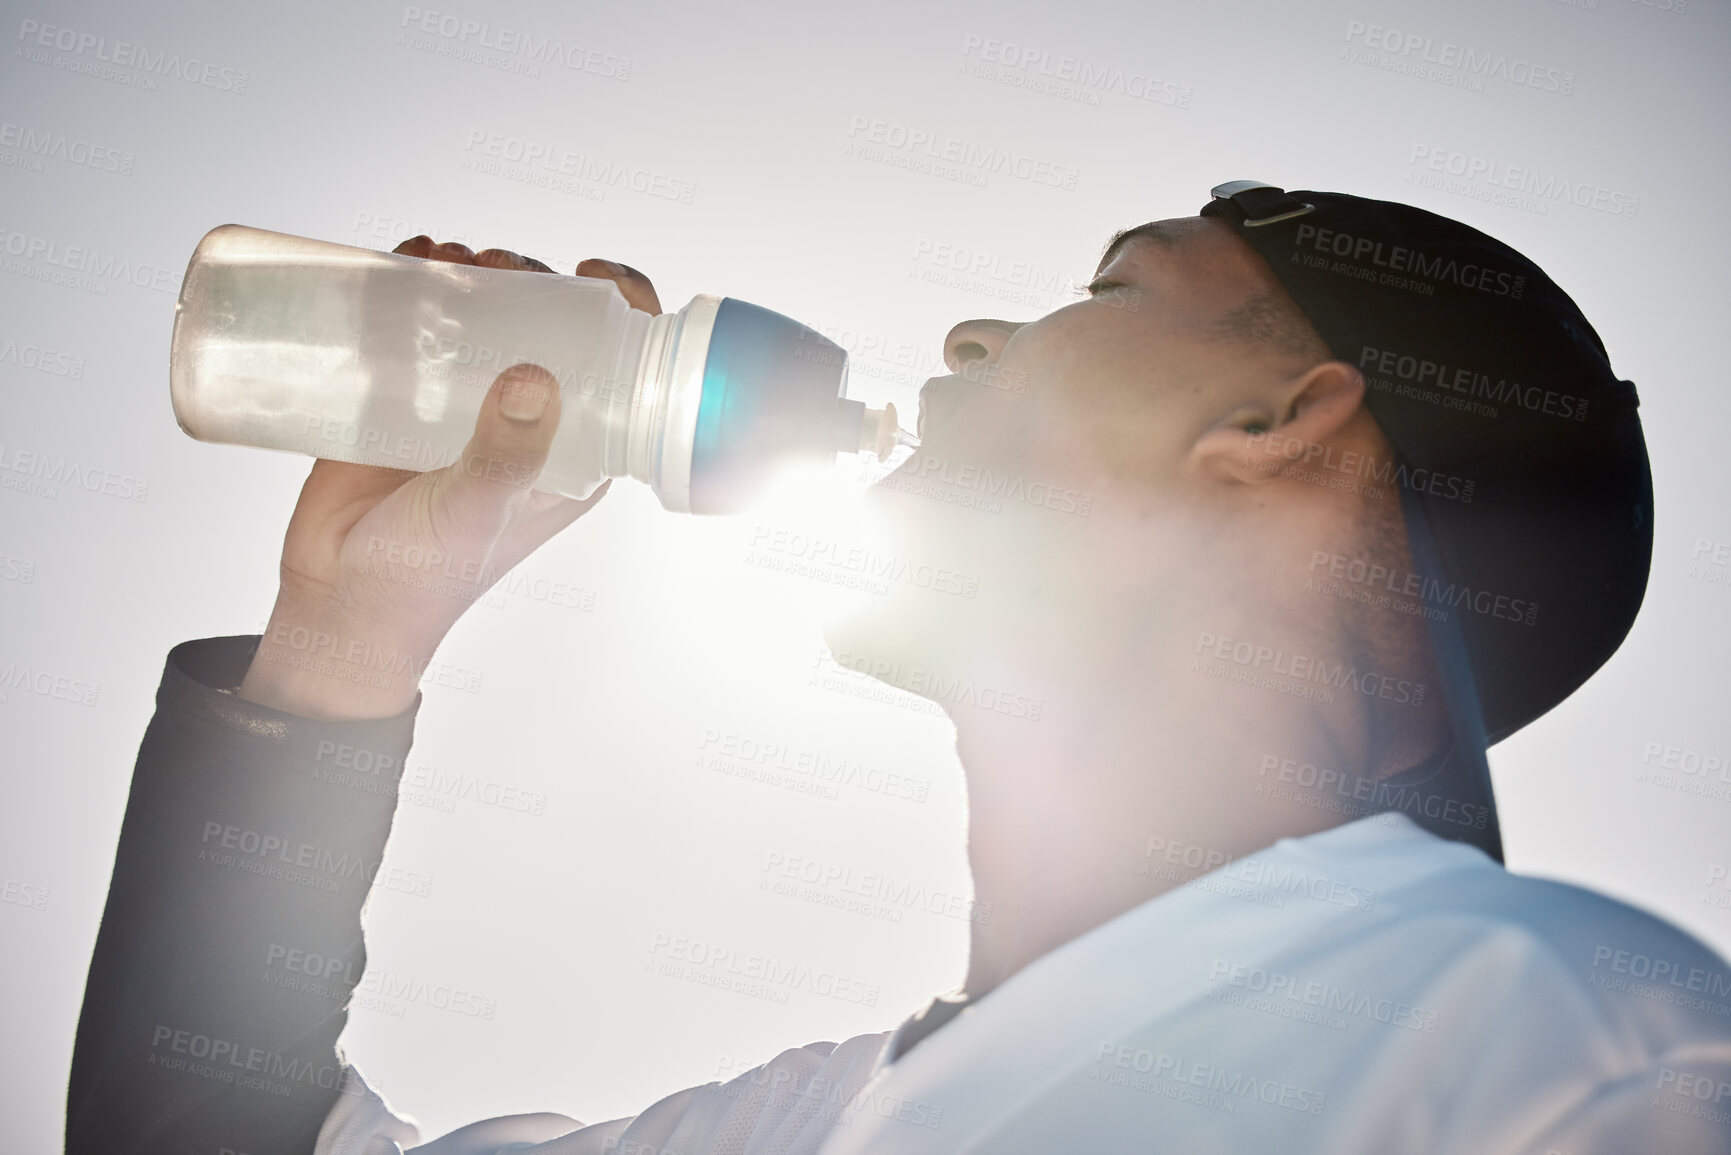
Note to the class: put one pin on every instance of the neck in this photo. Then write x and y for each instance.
(1137, 778)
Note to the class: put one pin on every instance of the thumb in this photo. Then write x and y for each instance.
(513, 433)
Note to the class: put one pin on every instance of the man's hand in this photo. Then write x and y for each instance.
(378, 564)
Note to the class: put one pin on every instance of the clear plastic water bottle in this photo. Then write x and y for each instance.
(344, 353)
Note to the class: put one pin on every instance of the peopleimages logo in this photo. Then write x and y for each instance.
(876, 571)
(227, 1061)
(24, 894)
(1316, 456)
(41, 358)
(1304, 668)
(759, 975)
(746, 756)
(924, 476)
(946, 688)
(788, 1091)
(1359, 795)
(281, 856)
(1205, 1084)
(1372, 575)
(1660, 972)
(46, 144)
(879, 895)
(1398, 259)
(1709, 561)
(48, 684)
(587, 169)
(1298, 880)
(1470, 63)
(993, 267)
(1328, 997)
(1069, 77)
(515, 42)
(988, 274)
(87, 47)
(86, 268)
(882, 140)
(42, 475)
(1468, 390)
(1497, 176)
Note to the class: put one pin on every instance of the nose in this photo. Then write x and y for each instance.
(977, 340)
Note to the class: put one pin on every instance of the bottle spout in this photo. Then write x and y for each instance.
(881, 433)
(874, 431)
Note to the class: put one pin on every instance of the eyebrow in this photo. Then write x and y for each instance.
(1160, 232)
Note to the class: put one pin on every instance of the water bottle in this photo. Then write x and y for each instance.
(354, 355)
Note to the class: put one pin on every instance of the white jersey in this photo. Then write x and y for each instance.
(1369, 989)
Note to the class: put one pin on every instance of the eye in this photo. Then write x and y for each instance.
(1103, 285)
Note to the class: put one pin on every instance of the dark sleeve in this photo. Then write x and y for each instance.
(232, 935)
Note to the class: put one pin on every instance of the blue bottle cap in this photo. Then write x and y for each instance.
(771, 393)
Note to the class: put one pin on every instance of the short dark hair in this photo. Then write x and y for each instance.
(1166, 233)
(1272, 321)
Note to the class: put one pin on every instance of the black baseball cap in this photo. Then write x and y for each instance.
(1522, 468)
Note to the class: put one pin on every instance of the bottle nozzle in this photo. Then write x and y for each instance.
(873, 431)
(881, 433)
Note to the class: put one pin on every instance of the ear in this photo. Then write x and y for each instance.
(1302, 416)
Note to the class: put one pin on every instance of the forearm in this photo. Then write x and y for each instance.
(231, 937)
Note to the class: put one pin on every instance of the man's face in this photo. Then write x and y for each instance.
(1054, 460)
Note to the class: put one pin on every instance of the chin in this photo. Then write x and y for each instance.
(951, 597)
(894, 635)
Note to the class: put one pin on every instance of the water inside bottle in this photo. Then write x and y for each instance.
(381, 359)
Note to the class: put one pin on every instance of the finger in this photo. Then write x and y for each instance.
(633, 285)
(502, 259)
(513, 433)
(506, 259)
(415, 246)
(455, 252)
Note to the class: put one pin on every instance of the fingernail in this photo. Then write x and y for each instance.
(524, 396)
